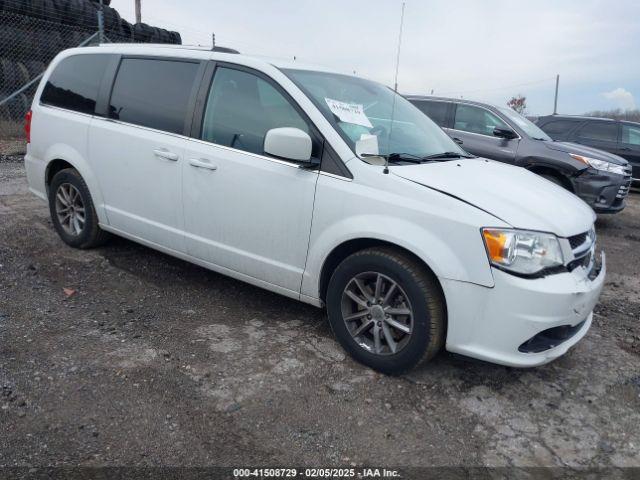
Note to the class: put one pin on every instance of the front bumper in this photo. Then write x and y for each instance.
(602, 191)
(493, 324)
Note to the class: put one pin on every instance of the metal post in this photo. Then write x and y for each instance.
(213, 41)
(555, 100)
(138, 11)
(101, 23)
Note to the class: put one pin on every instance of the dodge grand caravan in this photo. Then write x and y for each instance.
(323, 187)
(601, 179)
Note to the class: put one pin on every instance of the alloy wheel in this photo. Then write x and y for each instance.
(70, 209)
(377, 313)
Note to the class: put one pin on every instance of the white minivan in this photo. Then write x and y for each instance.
(320, 186)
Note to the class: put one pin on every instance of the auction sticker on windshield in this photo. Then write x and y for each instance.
(349, 112)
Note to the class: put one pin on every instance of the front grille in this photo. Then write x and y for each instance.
(583, 261)
(577, 240)
(623, 191)
(583, 248)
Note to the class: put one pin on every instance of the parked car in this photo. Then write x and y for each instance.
(326, 188)
(601, 179)
(614, 136)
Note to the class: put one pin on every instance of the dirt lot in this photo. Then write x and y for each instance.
(153, 361)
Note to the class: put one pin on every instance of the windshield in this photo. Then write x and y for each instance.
(530, 128)
(361, 110)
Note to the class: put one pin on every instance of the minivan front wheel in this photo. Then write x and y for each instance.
(386, 309)
(72, 212)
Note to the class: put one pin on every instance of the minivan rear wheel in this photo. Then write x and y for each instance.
(72, 212)
(386, 309)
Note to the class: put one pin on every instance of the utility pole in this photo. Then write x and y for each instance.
(555, 100)
(138, 11)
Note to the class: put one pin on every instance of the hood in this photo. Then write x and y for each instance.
(514, 195)
(585, 151)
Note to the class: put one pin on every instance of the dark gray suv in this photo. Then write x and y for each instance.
(601, 179)
(613, 136)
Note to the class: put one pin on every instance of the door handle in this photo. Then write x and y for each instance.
(194, 162)
(166, 154)
(457, 140)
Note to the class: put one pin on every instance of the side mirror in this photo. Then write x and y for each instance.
(288, 143)
(506, 133)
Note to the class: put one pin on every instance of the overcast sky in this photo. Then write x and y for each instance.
(482, 49)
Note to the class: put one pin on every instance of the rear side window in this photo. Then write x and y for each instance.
(631, 135)
(557, 127)
(436, 111)
(153, 93)
(599, 131)
(75, 82)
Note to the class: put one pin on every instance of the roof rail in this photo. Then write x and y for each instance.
(224, 50)
(202, 48)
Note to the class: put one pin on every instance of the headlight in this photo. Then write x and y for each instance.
(522, 251)
(601, 165)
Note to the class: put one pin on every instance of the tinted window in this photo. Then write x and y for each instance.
(600, 131)
(75, 82)
(558, 127)
(436, 111)
(476, 120)
(153, 93)
(630, 135)
(242, 107)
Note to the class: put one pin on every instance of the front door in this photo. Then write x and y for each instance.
(245, 211)
(473, 128)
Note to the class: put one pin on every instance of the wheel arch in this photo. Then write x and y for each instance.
(53, 167)
(560, 175)
(349, 247)
(61, 156)
(542, 167)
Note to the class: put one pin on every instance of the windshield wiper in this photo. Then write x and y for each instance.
(446, 155)
(396, 157)
(540, 138)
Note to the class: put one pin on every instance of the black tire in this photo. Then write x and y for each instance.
(73, 11)
(423, 293)
(34, 68)
(127, 30)
(142, 32)
(111, 19)
(17, 107)
(7, 75)
(7, 39)
(176, 38)
(91, 234)
(45, 10)
(21, 73)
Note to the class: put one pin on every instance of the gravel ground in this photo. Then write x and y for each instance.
(125, 356)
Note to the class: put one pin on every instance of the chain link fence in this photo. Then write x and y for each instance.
(33, 32)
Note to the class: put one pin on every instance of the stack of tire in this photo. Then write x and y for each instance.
(32, 32)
